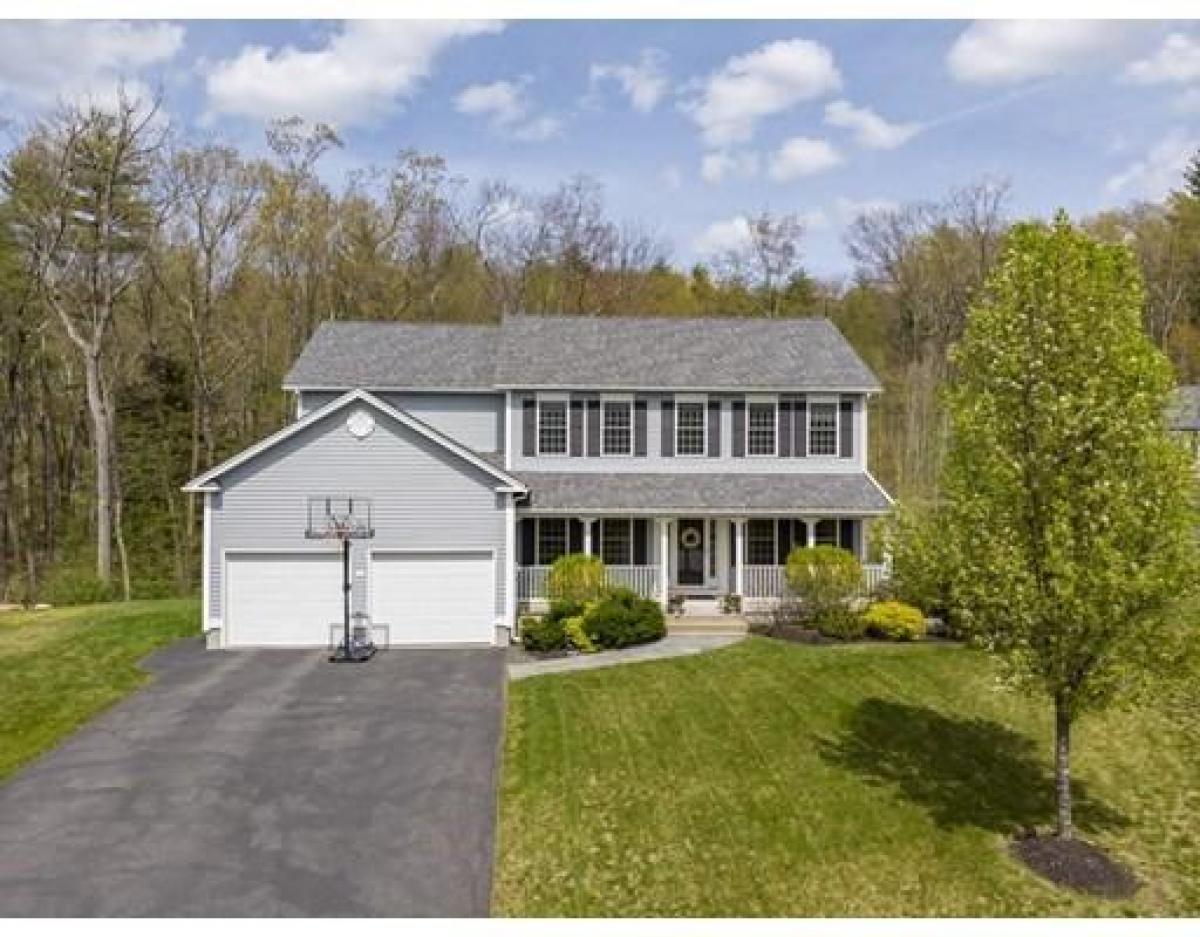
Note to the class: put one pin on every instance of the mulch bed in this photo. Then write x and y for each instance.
(794, 633)
(1075, 864)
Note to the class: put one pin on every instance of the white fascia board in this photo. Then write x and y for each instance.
(206, 482)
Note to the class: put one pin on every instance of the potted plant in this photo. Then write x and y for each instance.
(731, 603)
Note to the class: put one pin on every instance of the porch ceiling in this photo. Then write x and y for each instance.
(718, 493)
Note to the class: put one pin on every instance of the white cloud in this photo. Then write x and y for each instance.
(722, 236)
(77, 60)
(869, 129)
(505, 105)
(1177, 60)
(358, 77)
(1007, 51)
(848, 208)
(802, 156)
(769, 80)
(644, 82)
(671, 177)
(1159, 171)
(721, 164)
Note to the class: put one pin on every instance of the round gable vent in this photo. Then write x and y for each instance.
(360, 424)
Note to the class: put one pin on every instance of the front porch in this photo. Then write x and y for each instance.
(700, 559)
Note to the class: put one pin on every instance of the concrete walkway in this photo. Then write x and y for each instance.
(671, 646)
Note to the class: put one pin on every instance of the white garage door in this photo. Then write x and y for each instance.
(282, 599)
(434, 598)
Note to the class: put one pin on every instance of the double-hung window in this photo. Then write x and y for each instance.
(617, 428)
(551, 539)
(552, 426)
(826, 533)
(760, 542)
(822, 427)
(761, 423)
(690, 436)
(616, 541)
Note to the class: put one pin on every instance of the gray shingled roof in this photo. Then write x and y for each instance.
(727, 492)
(1184, 412)
(383, 355)
(584, 352)
(701, 354)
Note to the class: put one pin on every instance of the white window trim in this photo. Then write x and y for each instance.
(772, 399)
(617, 398)
(701, 399)
(553, 398)
(837, 425)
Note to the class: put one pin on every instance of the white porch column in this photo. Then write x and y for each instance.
(810, 531)
(739, 554)
(587, 533)
(664, 556)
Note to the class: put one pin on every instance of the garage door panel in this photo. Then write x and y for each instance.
(282, 599)
(435, 597)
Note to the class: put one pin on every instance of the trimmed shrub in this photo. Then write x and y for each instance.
(623, 618)
(543, 634)
(823, 577)
(72, 586)
(576, 577)
(841, 622)
(896, 621)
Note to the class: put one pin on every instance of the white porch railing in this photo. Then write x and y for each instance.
(770, 582)
(531, 580)
(875, 575)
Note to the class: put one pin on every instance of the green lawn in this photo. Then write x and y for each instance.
(59, 667)
(785, 780)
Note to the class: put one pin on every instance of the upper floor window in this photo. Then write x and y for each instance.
(689, 427)
(552, 427)
(760, 427)
(822, 428)
(617, 435)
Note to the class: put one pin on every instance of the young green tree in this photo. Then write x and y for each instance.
(1069, 507)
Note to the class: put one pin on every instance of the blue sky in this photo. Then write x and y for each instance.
(688, 125)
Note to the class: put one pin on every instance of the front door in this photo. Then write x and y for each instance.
(691, 552)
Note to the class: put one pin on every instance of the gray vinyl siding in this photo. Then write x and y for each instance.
(475, 420)
(423, 498)
(655, 461)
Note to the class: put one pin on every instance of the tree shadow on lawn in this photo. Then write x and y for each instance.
(964, 772)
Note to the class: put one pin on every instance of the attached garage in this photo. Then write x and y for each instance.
(434, 597)
(282, 599)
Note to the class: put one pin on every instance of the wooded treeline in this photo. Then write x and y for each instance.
(154, 290)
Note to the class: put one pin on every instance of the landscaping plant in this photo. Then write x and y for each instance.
(1068, 523)
(896, 621)
(576, 577)
(826, 580)
(622, 618)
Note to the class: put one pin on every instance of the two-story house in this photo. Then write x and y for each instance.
(690, 454)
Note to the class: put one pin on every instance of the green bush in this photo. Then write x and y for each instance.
(74, 586)
(840, 622)
(825, 579)
(921, 561)
(576, 577)
(896, 621)
(577, 635)
(543, 634)
(623, 618)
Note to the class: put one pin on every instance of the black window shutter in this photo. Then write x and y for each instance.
(574, 536)
(714, 428)
(799, 533)
(732, 544)
(639, 427)
(576, 427)
(528, 426)
(846, 429)
(800, 427)
(784, 540)
(593, 427)
(739, 428)
(846, 534)
(668, 427)
(525, 553)
(639, 542)
(785, 427)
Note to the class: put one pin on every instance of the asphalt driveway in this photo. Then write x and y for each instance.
(267, 783)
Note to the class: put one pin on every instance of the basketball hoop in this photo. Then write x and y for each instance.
(343, 518)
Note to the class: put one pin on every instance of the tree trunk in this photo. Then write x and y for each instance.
(103, 449)
(1062, 766)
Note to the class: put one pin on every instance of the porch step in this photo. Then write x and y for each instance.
(710, 624)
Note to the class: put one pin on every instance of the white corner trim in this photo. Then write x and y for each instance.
(510, 563)
(205, 482)
(206, 563)
(508, 430)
